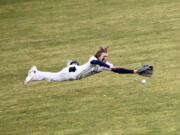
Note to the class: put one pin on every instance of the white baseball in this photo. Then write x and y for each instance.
(143, 81)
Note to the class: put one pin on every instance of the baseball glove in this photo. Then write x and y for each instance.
(145, 70)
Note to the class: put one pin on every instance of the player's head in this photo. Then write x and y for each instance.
(102, 54)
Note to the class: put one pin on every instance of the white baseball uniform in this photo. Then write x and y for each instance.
(81, 71)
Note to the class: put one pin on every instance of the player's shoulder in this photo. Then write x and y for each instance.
(92, 58)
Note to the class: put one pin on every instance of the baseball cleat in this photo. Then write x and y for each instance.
(31, 74)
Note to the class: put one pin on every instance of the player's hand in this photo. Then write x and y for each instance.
(136, 72)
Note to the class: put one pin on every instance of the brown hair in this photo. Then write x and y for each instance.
(101, 49)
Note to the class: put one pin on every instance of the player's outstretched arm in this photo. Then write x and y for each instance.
(113, 68)
(123, 70)
(145, 70)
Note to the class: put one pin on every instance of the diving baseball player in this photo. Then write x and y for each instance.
(74, 71)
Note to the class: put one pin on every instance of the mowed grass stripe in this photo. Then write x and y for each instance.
(48, 33)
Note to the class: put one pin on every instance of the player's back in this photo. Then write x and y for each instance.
(86, 69)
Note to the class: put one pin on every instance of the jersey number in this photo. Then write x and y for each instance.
(72, 69)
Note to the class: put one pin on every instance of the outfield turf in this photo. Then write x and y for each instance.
(47, 33)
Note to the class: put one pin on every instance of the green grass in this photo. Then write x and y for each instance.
(47, 33)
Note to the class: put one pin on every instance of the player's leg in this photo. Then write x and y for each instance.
(36, 75)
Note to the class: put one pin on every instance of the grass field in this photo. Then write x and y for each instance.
(47, 33)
